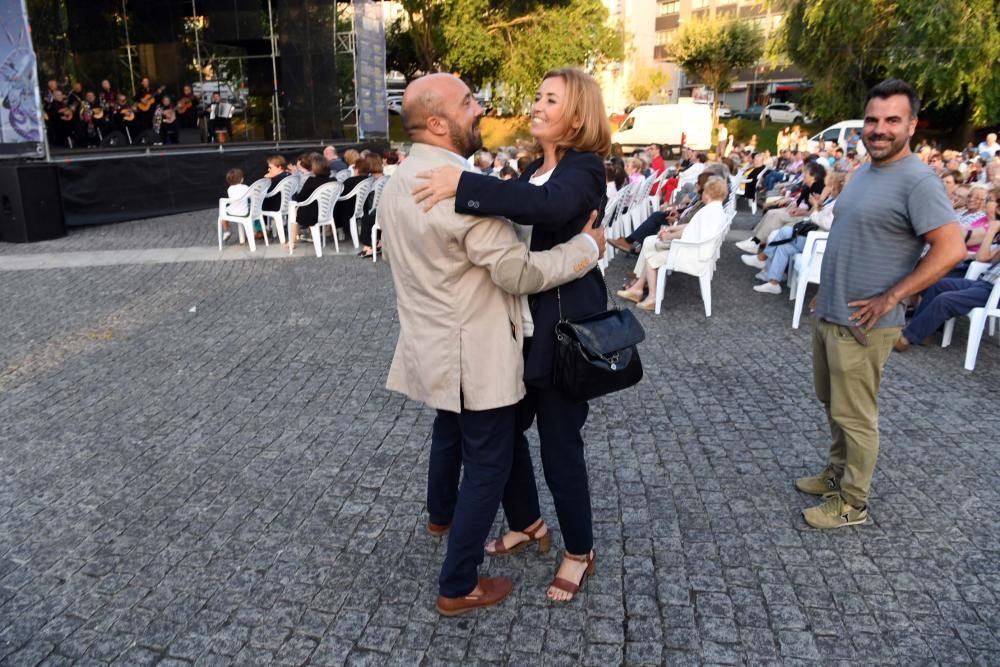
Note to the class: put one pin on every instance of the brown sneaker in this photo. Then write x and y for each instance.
(819, 485)
(833, 512)
(492, 591)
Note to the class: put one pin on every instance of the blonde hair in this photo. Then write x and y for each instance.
(716, 189)
(585, 104)
(635, 163)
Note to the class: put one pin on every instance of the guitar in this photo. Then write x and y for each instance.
(169, 116)
(184, 104)
(146, 102)
(66, 113)
(127, 114)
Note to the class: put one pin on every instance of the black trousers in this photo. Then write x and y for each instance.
(563, 463)
(482, 441)
(649, 227)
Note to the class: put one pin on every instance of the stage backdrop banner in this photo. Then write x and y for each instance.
(369, 69)
(20, 103)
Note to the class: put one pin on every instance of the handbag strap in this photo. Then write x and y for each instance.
(611, 296)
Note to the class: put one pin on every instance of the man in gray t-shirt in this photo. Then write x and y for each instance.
(887, 212)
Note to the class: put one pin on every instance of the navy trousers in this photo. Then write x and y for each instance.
(564, 465)
(944, 300)
(483, 442)
(649, 227)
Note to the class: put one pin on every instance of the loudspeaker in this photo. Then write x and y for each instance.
(188, 135)
(30, 203)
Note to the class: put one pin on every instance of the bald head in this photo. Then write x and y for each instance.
(439, 109)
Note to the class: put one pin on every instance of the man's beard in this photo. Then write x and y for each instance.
(895, 146)
(465, 142)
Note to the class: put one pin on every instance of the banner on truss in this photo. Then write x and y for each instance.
(369, 69)
(21, 126)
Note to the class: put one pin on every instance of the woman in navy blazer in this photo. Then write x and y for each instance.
(555, 197)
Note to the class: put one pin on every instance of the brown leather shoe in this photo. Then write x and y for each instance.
(902, 345)
(438, 529)
(493, 590)
(621, 244)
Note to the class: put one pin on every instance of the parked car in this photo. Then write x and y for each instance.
(752, 112)
(725, 112)
(394, 102)
(838, 134)
(784, 112)
(673, 125)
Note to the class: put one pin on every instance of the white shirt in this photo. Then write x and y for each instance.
(235, 192)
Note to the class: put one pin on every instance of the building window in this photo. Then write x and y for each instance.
(671, 7)
(665, 37)
(700, 4)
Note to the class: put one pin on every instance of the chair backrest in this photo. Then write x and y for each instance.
(611, 209)
(362, 190)
(326, 197)
(645, 186)
(976, 269)
(286, 188)
(812, 255)
(257, 193)
(377, 190)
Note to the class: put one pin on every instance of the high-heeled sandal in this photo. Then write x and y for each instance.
(567, 586)
(544, 542)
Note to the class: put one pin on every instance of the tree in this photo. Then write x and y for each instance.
(947, 49)
(645, 81)
(511, 43)
(712, 51)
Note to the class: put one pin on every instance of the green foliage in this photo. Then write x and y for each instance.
(713, 51)
(645, 81)
(509, 43)
(947, 49)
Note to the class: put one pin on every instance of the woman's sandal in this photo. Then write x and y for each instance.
(567, 586)
(544, 542)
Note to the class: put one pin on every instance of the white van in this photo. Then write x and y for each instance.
(838, 133)
(673, 125)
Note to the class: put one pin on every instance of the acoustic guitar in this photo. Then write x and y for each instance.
(169, 116)
(146, 102)
(66, 113)
(127, 114)
(184, 104)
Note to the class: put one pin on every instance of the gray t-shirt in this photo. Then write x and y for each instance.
(875, 240)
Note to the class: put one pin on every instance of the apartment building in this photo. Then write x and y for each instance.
(651, 26)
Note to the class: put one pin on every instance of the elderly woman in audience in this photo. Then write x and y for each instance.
(813, 182)
(307, 216)
(975, 220)
(344, 208)
(633, 168)
(785, 243)
(709, 221)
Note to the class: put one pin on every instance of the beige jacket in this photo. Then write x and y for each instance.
(456, 277)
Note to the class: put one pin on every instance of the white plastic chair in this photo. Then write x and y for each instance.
(622, 222)
(804, 269)
(278, 219)
(360, 193)
(254, 199)
(641, 205)
(324, 197)
(658, 183)
(977, 318)
(695, 259)
(376, 228)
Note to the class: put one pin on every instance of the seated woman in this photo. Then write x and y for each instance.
(974, 221)
(813, 179)
(951, 297)
(784, 244)
(706, 223)
(344, 209)
(307, 216)
(367, 222)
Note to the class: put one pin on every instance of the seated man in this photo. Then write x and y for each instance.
(951, 297)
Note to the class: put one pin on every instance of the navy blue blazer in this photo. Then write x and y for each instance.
(557, 211)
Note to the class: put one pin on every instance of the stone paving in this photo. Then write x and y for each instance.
(199, 465)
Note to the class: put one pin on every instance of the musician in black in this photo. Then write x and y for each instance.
(187, 108)
(220, 123)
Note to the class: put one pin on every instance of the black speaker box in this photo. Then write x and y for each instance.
(30, 203)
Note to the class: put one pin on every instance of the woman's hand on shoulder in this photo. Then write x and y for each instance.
(438, 184)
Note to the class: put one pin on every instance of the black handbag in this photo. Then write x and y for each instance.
(597, 355)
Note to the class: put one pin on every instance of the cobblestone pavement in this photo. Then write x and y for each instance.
(199, 465)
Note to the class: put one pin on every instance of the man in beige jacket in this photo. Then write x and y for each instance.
(459, 348)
